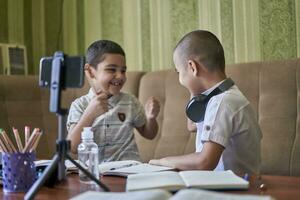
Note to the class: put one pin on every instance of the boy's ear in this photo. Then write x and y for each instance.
(88, 70)
(89, 73)
(193, 67)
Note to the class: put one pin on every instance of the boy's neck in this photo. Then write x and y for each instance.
(213, 79)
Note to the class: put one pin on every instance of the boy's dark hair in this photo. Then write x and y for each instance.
(95, 52)
(203, 46)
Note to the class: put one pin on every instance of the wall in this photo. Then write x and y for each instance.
(250, 30)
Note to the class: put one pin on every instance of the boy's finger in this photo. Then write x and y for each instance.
(103, 94)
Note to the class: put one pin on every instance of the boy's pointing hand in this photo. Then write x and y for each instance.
(98, 105)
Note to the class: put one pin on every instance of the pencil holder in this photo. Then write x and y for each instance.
(18, 171)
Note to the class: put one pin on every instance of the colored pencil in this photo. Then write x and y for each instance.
(18, 139)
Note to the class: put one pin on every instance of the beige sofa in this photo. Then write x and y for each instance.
(272, 88)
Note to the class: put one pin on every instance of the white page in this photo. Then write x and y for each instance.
(145, 195)
(169, 180)
(193, 194)
(142, 168)
(107, 166)
(42, 162)
(213, 179)
(69, 165)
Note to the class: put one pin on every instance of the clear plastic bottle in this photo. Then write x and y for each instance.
(88, 155)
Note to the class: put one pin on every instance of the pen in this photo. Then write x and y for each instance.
(246, 177)
(128, 165)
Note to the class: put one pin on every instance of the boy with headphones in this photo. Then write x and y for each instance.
(228, 135)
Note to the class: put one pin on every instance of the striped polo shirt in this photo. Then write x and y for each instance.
(113, 130)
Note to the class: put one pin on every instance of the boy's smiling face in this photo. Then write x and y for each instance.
(110, 75)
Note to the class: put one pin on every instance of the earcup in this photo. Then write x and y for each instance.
(195, 109)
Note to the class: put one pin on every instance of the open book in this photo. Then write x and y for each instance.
(114, 168)
(70, 167)
(126, 167)
(158, 194)
(173, 181)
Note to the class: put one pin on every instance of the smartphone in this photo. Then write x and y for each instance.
(73, 74)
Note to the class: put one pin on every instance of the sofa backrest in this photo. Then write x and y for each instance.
(271, 87)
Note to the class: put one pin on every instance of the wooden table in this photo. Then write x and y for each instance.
(280, 187)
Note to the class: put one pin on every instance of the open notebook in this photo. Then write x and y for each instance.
(70, 167)
(173, 181)
(114, 168)
(158, 194)
(127, 167)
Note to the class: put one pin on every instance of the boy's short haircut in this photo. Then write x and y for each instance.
(203, 46)
(97, 50)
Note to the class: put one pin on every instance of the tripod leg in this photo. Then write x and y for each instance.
(104, 187)
(39, 183)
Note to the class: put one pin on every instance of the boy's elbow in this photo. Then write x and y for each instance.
(73, 147)
(73, 150)
(205, 164)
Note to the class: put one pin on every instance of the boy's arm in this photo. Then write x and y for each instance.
(152, 108)
(96, 107)
(75, 130)
(191, 126)
(207, 159)
(149, 130)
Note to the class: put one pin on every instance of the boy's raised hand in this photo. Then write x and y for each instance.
(152, 108)
(98, 105)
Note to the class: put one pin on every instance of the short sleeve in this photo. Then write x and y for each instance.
(139, 117)
(218, 122)
(75, 114)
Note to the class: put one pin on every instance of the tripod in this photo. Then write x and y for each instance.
(62, 145)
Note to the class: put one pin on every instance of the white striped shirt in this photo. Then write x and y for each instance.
(113, 130)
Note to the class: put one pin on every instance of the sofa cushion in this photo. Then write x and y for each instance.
(173, 137)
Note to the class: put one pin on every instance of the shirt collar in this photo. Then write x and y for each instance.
(208, 91)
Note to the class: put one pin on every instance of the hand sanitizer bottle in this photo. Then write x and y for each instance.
(88, 155)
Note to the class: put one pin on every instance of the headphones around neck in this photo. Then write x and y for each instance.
(195, 109)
